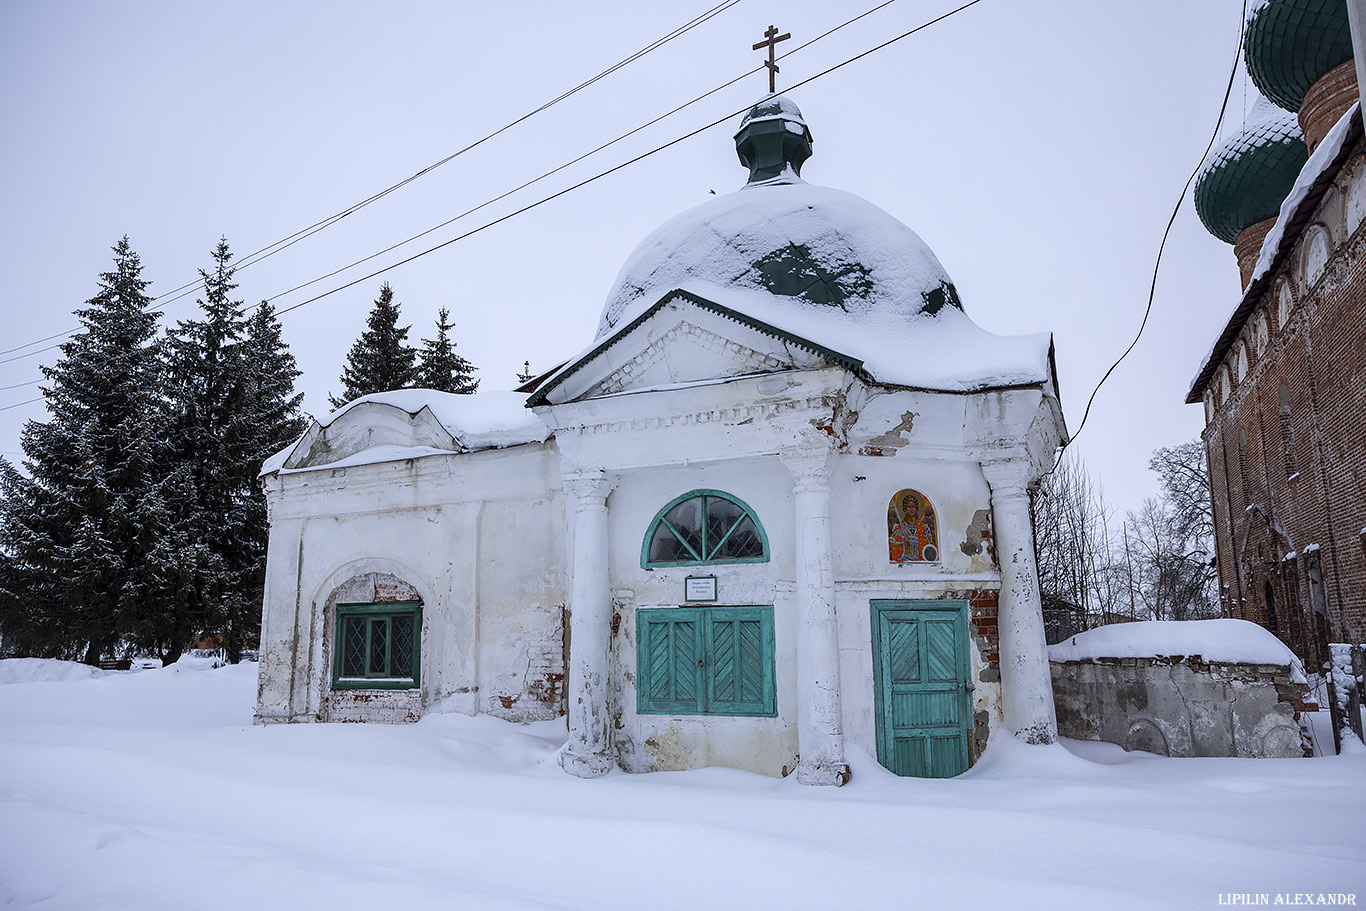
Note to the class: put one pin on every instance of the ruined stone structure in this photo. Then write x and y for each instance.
(779, 506)
(1284, 387)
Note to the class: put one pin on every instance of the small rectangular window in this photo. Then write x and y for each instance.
(378, 646)
(706, 661)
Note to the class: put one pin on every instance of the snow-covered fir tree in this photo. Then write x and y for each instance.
(80, 526)
(439, 367)
(381, 359)
(231, 383)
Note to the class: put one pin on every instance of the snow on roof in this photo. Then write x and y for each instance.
(1230, 641)
(946, 351)
(844, 244)
(482, 420)
(1276, 245)
(1318, 162)
(943, 352)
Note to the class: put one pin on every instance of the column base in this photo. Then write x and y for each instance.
(591, 765)
(1039, 734)
(828, 774)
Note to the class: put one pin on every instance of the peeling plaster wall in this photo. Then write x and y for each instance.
(649, 742)
(932, 457)
(478, 538)
(1182, 707)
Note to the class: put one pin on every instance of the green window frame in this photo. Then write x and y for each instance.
(703, 528)
(378, 646)
(705, 661)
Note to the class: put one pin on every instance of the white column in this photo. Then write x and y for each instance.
(820, 726)
(588, 752)
(1026, 685)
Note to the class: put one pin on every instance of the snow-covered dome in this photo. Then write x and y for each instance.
(1247, 177)
(822, 247)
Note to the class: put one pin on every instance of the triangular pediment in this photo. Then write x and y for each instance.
(682, 341)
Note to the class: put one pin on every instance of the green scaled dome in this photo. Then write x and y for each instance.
(1247, 177)
(1290, 44)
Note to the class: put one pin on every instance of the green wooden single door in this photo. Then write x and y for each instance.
(920, 686)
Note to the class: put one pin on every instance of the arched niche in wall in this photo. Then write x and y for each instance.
(1225, 387)
(1356, 199)
(1240, 362)
(1285, 302)
(1259, 334)
(912, 528)
(1316, 248)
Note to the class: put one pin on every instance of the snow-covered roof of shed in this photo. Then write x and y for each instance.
(1224, 641)
(483, 420)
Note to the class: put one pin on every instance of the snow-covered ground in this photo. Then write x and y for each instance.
(150, 790)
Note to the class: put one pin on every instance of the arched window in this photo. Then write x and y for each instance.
(704, 526)
(912, 531)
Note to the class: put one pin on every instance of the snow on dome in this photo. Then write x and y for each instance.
(1231, 641)
(821, 247)
(774, 107)
(1245, 179)
(824, 265)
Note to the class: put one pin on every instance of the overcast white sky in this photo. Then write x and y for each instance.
(1038, 148)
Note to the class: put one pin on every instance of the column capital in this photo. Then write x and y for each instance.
(810, 464)
(588, 487)
(1009, 476)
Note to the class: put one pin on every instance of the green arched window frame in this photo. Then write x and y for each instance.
(720, 517)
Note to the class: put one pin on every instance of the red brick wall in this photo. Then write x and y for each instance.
(1288, 470)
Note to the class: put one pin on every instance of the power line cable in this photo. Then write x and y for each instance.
(624, 164)
(681, 30)
(620, 166)
(256, 256)
(574, 161)
(1152, 288)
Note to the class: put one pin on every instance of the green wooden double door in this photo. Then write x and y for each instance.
(923, 706)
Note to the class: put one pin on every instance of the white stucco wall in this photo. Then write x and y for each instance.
(479, 537)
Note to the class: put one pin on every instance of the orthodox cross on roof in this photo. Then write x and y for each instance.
(771, 39)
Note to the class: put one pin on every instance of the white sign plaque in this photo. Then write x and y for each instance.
(699, 588)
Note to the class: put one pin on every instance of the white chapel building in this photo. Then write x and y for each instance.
(777, 510)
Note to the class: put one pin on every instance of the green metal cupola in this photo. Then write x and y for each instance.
(773, 141)
(1291, 44)
(1247, 177)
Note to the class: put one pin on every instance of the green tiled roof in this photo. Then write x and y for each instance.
(1246, 179)
(1289, 44)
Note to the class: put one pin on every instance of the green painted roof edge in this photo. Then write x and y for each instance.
(539, 397)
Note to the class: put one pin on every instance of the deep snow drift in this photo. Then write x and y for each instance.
(152, 790)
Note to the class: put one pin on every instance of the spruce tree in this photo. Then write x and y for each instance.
(79, 525)
(206, 371)
(439, 367)
(231, 380)
(274, 421)
(381, 360)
